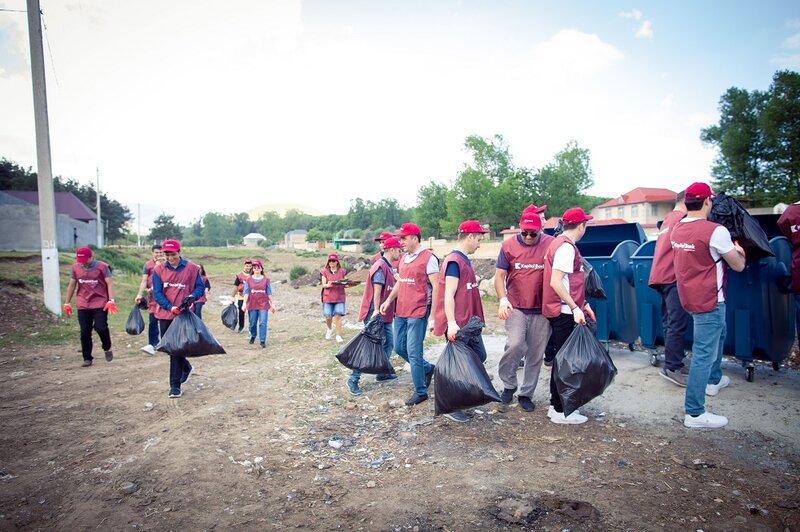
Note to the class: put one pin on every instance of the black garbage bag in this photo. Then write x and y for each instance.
(364, 352)
(592, 283)
(559, 228)
(143, 303)
(135, 323)
(230, 316)
(726, 211)
(584, 369)
(188, 336)
(461, 380)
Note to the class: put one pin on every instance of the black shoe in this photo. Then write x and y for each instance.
(175, 392)
(109, 355)
(185, 377)
(521, 363)
(263, 345)
(458, 416)
(240, 329)
(387, 377)
(86, 363)
(416, 399)
(548, 363)
(507, 395)
(252, 339)
(526, 404)
(429, 376)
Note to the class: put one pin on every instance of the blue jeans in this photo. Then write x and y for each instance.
(388, 345)
(709, 338)
(198, 309)
(258, 318)
(152, 330)
(409, 334)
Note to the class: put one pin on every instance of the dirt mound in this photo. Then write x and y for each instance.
(20, 306)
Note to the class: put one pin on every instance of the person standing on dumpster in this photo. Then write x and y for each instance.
(176, 286)
(519, 284)
(789, 223)
(458, 297)
(564, 299)
(417, 280)
(673, 316)
(701, 251)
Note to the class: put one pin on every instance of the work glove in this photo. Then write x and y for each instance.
(68, 309)
(176, 310)
(111, 307)
(187, 301)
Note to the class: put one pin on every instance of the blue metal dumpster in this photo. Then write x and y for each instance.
(609, 248)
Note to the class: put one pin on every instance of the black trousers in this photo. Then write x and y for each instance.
(178, 366)
(97, 319)
(674, 319)
(239, 304)
(562, 327)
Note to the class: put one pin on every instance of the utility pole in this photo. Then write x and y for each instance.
(99, 218)
(139, 228)
(47, 202)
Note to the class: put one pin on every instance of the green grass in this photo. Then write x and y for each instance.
(297, 271)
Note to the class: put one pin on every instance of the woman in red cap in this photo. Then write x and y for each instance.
(257, 301)
(333, 296)
(94, 294)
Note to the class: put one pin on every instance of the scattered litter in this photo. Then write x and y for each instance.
(148, 407)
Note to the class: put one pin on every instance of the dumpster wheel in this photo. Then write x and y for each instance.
(749, 371)
(776, 366)
(655, 359)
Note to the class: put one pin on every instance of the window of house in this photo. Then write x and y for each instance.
(608, 214)
(620, 212)
(654, 210)
(634, 211)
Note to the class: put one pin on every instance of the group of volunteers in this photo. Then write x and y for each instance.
(252, 293)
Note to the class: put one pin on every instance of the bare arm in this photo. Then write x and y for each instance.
(735, 258)
(392, 297)
(500, 283)
(110, 285)
(556, 283)
(450, 285)
(70, 291)
(142, 286)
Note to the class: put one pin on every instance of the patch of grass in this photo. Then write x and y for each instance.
(297, 272)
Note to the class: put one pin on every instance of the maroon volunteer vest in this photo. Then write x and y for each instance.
(91, 288)
(551, 303)
(375, 258)
(467, 297)
(177, 285)
(695, 269)
(663, 268)
(525, 277)
(789, 223)
(258, 298)
(149, 266)
(369, 291)
(242, 278)
(412, 294)
(334, 294)
(203, 298)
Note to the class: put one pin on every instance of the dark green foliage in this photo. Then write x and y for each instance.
(296, 272)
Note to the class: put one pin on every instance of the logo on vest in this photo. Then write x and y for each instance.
(174, 285)
(470, 286)
(84, 281)
(258, 291)
(524, 266)
(794, 228)
(408, 280)
(682, 245)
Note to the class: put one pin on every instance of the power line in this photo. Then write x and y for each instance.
(49, 50)
(13, 10)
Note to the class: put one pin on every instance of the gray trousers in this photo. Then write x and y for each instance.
(526, 338)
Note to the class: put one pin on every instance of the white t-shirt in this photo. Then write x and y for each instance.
(719, 244)
(563, 259)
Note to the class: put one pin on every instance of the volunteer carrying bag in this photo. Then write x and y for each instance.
(135, 323)
(584, 369)
(188, 336)
(230, 315)
(460, 379)
(364, 352)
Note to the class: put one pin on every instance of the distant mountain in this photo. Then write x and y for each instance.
(281, 208)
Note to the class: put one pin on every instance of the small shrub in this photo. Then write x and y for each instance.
(297, 272)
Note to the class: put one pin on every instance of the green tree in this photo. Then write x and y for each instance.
(780, 123)
(562, 182)
(431, 208)
(468, 199)
(509, 198)
(164, 228)
(316, 235)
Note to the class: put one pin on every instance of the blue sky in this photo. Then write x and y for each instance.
(192, 107)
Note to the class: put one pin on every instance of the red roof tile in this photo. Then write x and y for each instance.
(641, 195)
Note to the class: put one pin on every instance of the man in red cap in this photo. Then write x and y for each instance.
(91, 283)
(538, 211)
(673, 316)
(458, 297)
(146, 287)
(789, 224)
(418, 276)
(176, 285)
(380, 282)
(237, 296)
(564, 298)
(380, 240)
(519, 285)
(699, 248)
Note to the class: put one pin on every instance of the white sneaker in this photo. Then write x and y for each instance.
(706, 420)
(713, 389)
(551, 411)
(574, 418)
(149, 349)
(329, 334)
(339, 339)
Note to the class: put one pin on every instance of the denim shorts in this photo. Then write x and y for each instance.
(332, 309)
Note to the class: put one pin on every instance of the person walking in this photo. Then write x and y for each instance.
(380, 240)
(198, 305)
(333, 296)
(519, 286)
(702, 250)
(237, 296)
(564, 299)
(90, 281)
(458, 297)
(258, 303)
(380, 282)
(789, 224)
(176, 286)
(146, 288)
(415, 288)
(674, 318)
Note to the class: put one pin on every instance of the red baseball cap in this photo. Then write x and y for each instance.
(409, 229)
(171, 246)
(530, 220)
(83, 255)
(383, 237)
(258, 263)
(471, 226)
(333, 256)
(575, 215)
(391, 242)
(697, 191)
(535, 209)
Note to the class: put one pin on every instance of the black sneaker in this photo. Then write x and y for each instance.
(526, 404)
(109, 355)
(353, 388)
(521, 363)
(86, 363)
(263, 345)
(548, 363)
(416, 399)
(185, 378)
(458, 416)
(175, 392)
(252, 339)
(387, 377)
(507, 395)
(429, 376)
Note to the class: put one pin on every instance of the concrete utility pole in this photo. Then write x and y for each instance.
(99, 218)
(47, 202)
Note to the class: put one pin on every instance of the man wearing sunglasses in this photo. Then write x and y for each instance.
(518, 283)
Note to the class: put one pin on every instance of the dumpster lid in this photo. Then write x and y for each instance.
(614, 233)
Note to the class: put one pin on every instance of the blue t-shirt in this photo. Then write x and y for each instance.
(452, 267)
(247, 289)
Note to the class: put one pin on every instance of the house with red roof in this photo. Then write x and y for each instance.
(644, 205)
(76, 224)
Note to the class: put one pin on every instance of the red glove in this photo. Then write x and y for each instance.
(176, 310)
(68, 309)
(111, 307)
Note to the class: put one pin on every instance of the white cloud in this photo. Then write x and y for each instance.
(792, 42)
(635, 14)
(793, 23)
(645, 31)
(571, 52)
(788, 62)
